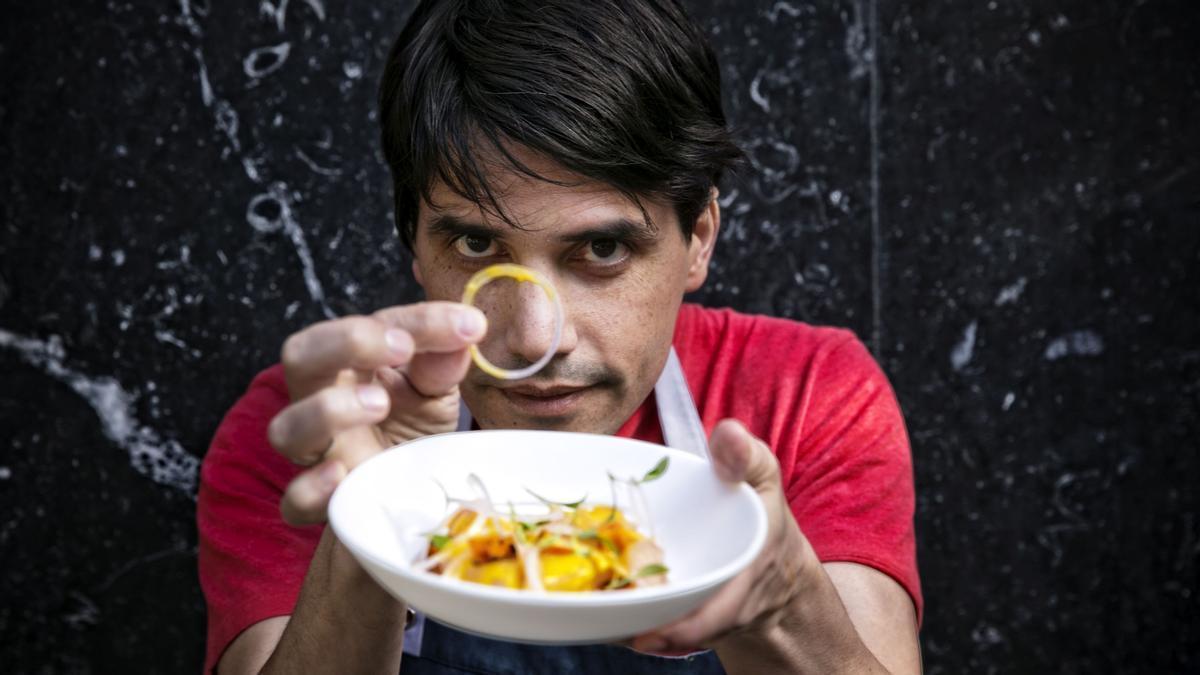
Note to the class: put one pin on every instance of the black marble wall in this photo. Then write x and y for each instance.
(1001, 198)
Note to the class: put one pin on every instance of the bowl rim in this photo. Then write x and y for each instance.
(564, 599)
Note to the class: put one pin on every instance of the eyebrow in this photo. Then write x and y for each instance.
(624, 229)
(448, 226)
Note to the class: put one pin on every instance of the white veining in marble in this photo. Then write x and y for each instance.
(163, 460)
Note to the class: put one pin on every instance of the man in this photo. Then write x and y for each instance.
(585, 140)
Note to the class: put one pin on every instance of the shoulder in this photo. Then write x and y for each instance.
(705, 329)
(778, 376)
(239, 449)
(266, 395)
(754, 349)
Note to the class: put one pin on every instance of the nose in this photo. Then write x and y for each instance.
(531, 332)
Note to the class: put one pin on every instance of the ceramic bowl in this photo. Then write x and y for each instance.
(708, 529)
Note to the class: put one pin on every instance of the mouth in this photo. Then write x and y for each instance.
(545, 401)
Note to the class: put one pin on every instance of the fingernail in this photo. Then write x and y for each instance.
(372, 397)
(470, 324)
(735, 466)
(730, 455)
(398, 343)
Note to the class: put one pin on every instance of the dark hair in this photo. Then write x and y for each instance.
(626, 92)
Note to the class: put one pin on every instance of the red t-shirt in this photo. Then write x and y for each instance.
(814, 395)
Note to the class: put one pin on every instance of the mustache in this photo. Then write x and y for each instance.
(558, 370)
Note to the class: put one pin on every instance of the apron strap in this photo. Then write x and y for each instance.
(677, 413)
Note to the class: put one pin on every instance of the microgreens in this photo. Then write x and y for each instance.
(647, 571)
(658, 470)
(653, 474)
(569, 505)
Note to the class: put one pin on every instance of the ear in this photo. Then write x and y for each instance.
(704, 240)
(416, 245)
(416, 270)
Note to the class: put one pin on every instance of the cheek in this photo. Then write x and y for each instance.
(629, 324)
(443, 290)
(442, 281)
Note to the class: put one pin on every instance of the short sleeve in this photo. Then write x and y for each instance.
(251, 563)
(851, 483)
(816, 396)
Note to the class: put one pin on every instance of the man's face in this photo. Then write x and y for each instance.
(620, 280)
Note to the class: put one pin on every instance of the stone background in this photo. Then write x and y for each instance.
(1001, 198)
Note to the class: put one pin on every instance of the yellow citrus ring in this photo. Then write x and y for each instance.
(521, 274)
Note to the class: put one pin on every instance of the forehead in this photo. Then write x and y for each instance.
(553, 198)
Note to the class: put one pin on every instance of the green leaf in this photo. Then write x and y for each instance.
(618, 582)
(439, 541)
(651, 570)
(647, 571)
(569, 505)
(658, 470)
(588, 534)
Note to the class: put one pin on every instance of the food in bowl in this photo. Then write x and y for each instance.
(547, 545)
(385, 510)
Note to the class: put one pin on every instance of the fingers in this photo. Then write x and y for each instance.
(344, 377)
(441, 332)
(437, 326)
(702, 627)
(737, 455)
(434, 375)
(306, 499)
(303, 431)
(415, 414)
(313, 357)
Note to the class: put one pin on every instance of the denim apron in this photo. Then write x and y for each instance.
(432, 648)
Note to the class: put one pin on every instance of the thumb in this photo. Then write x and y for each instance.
(738, 456)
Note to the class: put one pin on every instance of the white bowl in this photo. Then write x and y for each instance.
(709, 530)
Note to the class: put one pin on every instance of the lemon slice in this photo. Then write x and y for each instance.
(521, 274)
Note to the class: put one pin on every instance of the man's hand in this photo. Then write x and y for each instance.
(781, 614)
(757, 595)
(358, 385)
(362, 384)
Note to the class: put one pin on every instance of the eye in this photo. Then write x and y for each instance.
(475, 246)
(605, 251)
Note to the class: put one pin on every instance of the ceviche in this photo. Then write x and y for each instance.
(548, 545)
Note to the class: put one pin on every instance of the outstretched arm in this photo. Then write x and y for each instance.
(343, 623)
